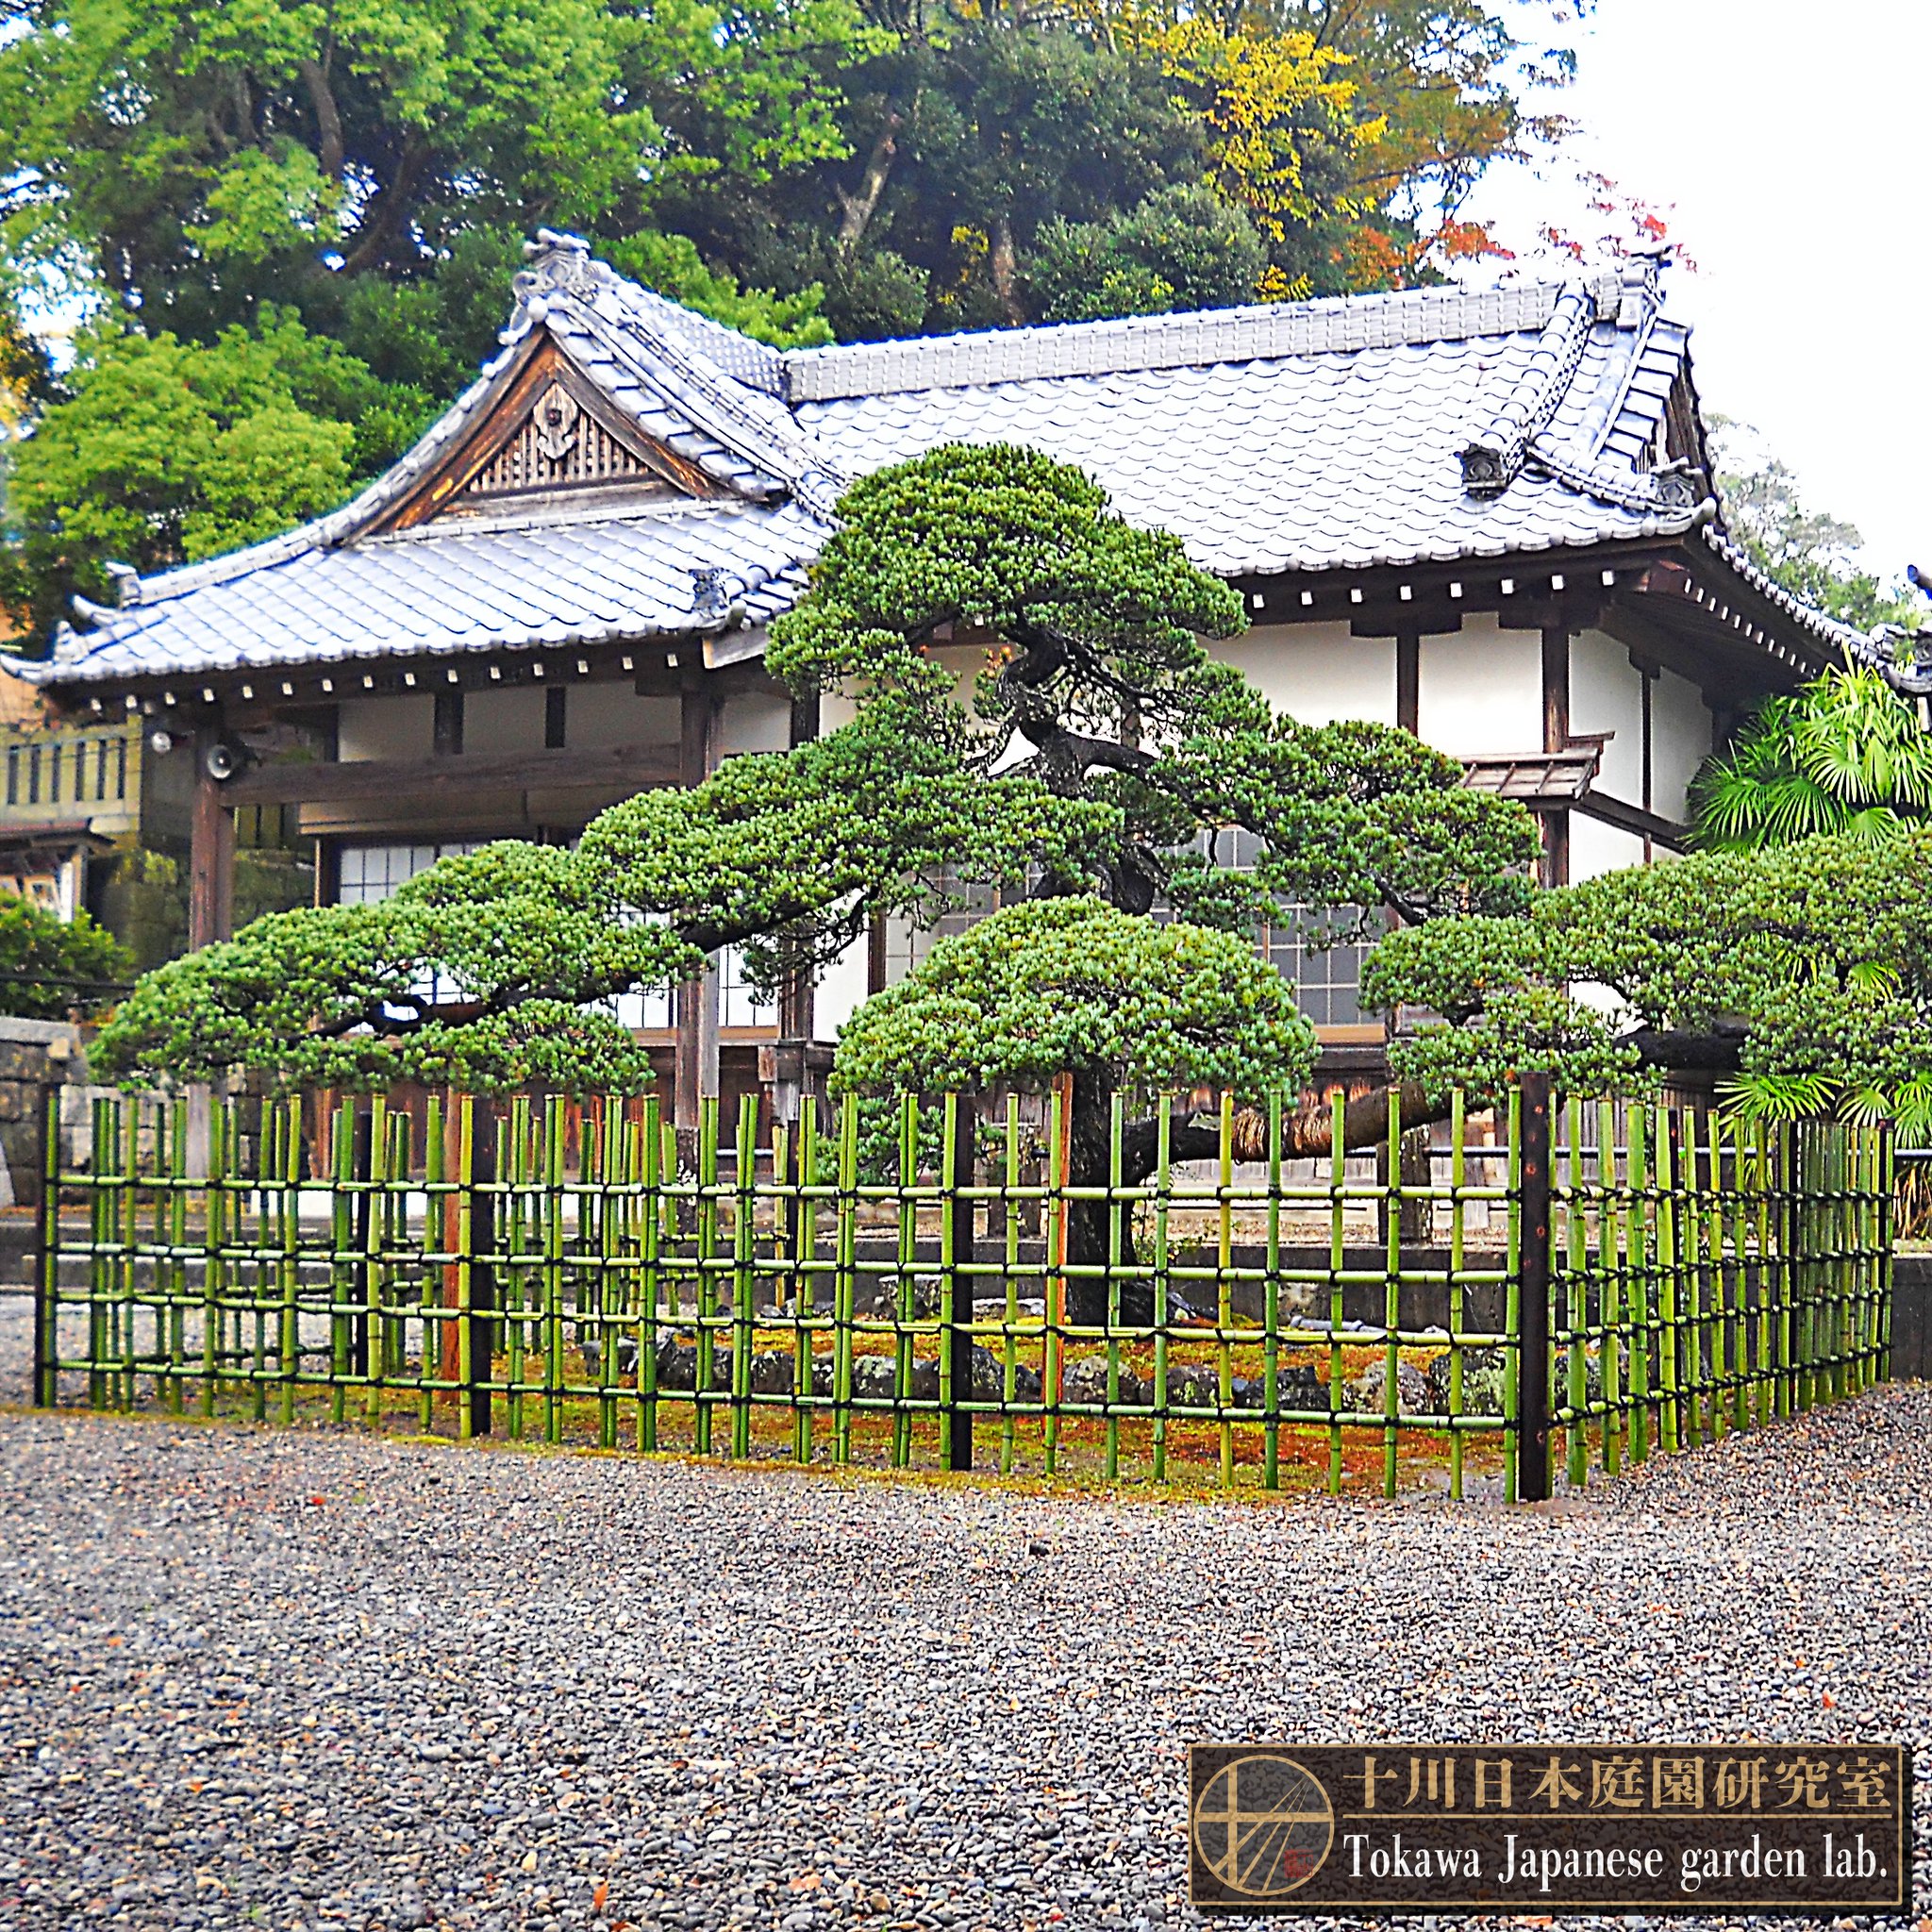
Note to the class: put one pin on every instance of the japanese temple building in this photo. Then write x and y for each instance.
(1481, 514)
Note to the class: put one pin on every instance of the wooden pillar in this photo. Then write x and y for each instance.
(1409, 683)
(211, 855)
(796, 1018)
(696, 1063)
(1556, 657)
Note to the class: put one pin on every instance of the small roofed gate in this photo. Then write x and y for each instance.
(1570, 1288)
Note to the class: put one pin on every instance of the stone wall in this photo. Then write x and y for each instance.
(34, 1054)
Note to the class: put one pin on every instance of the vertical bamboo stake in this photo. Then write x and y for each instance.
(1271, 1312)
(128, 1114)
(1640, 1235)
(905, 1305)
(1224, 1283)
(1009, 1367)
(1459, 1322)
(1164, 1200)
(1392, 1294)
(1739, 1322)
(744, 1281)
(649, 1232)
(1669, 1423)
(375, 1228)
(1577, 1362)
(1116, 1180)
(959, 1125)
(1338, 1264)
(806, 1221)
(1610, 1260)
(289, 1214)
(1060, 1156)
(845, 1282)
(172, 1132)
(551, 1155)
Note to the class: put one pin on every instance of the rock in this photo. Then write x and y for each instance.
(1085, 1381)
(770, 1375)
(1413, 1394)
(1191, 1386)
(1484, 1373)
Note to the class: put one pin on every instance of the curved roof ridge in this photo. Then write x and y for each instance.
(1256, 331)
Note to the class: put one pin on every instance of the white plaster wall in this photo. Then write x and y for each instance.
(1607, 694)
(601, 715)
(499, 722)
(754, 720)
(1680, 741)
(402, 728)
(1316, 672)
(841, 989)
(1482, 690)
(1596, 848)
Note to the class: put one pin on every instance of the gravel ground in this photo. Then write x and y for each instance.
(305, 1678)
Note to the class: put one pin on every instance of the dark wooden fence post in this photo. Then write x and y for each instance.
(960, 1338)
(1533, 1333)
(45, 1257)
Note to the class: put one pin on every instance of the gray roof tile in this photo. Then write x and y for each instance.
(1272, 439)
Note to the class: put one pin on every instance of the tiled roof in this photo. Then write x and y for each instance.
(444, 590)
(1377, 430)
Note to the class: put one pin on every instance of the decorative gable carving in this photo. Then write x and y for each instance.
(559, 445)
(551, 435)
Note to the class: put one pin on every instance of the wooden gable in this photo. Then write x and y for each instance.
(552, 436)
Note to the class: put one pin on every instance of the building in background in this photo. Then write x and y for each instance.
(1481, 515)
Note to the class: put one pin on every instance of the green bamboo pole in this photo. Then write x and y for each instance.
(1459, 1261)
(1513, 1293)
(287, 1114)
(171, 1132)
(376, 1228)
(1391, 1295)
(1739, 1321)
(743, 1285)
(99, 1286)
(650, 1234)
(551, 1156)
(1640, 1238)
(1338, 1263)
(845, 1282)
(906, 1303)
(128, 1112)
(805, 1241)
(1009, 1363)
(1669, 1413)
(1224, 1286)
(435, 1174)
(1610, 1263)
(953, 1184)
(1055, 1281)
(1576, 1306)
(1116, 1181)
(1271, 1312)
(1163, 1203)
(344, 1262)
(513, 1167)
(608, 1180)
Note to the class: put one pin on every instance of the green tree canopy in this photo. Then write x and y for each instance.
(1803, 973)
(50, 968)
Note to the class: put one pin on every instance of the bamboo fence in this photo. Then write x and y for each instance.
(1574, 1287)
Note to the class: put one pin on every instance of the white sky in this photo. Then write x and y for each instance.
(1795, 144)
